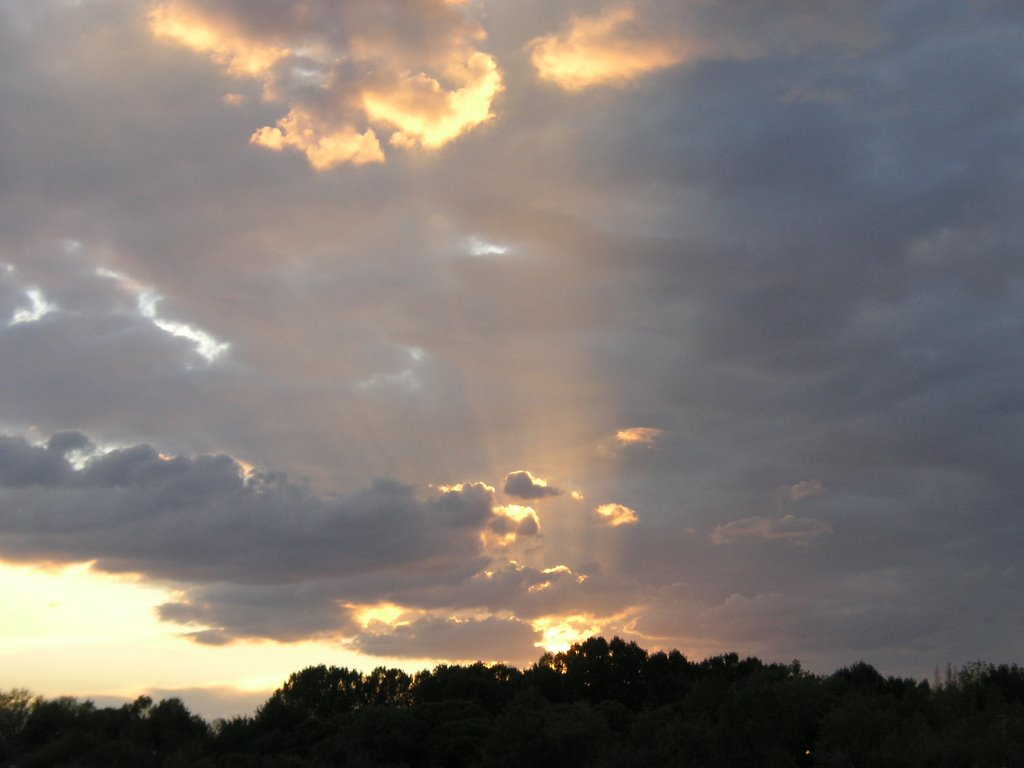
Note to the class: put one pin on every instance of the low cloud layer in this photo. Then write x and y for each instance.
(258, 555)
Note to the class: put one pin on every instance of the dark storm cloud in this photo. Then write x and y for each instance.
(522, 485)
(283, 612)
(23, 465)
(258, 555)
(133, 509)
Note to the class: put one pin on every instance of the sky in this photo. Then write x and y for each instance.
(400, 332)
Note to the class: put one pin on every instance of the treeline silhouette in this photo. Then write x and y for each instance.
(601, 703)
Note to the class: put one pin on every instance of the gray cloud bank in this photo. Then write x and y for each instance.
(261, 556)
(796, 255)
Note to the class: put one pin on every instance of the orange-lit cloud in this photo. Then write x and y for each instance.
(608, 49)
(382, 614)
(422, 113)
(617, 514)
(794, 530)
(517, 512)
(324, 147)
(372, 87)
(183, 23)
(639, 435)
(478, 487)
(509, 524)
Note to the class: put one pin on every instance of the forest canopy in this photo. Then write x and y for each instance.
(601, 703)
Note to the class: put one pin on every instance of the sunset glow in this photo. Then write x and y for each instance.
(602, 50)
(387, 333)
(182, 23)
(560, 632)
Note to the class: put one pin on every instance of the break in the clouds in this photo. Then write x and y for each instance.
(351, 75)
(37, 307)
(747, 276)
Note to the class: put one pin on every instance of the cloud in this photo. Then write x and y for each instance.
(791, 529)
(805, 489)
(38, 308)
(470, 639)
(205, 518)
(223, 613)
(617, 514)
(348, 73)
(639, 436)
(423, 114)
(797, 251)
(186, 24)
(523, 485)
(607, 49)
(324, 146)
(511, 523)
(626, 41)
(208, 347)
(258, 555)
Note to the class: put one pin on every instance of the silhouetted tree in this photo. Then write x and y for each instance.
(597, 705)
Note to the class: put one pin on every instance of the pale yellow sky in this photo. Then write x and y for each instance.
(70, 630)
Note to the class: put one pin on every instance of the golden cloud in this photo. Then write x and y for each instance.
(617, 514)
(510, 523)
(517, 513)
(184, 24)
(639, 435)
(382, 614)
(324, 148)
(419, 95)
(424, 114)
(608, 49)
(558, 633)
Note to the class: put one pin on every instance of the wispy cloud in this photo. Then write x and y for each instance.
(790, 529)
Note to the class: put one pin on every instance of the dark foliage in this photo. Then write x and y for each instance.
(600, 704)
